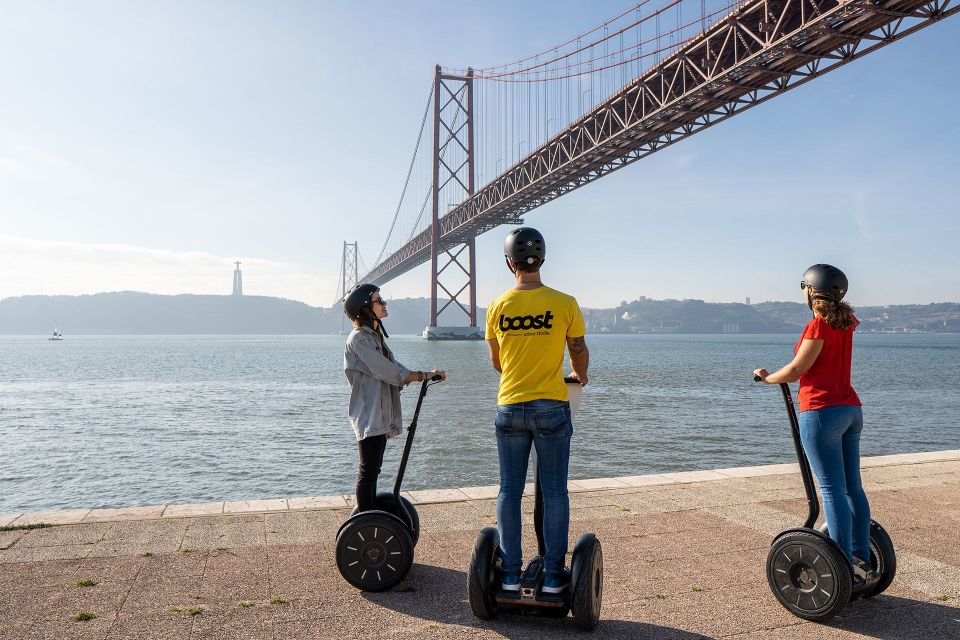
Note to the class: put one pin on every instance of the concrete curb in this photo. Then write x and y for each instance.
(435, 496)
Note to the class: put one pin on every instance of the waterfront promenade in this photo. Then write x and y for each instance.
(684, 559)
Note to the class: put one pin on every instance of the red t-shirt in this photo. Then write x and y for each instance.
(827, 382)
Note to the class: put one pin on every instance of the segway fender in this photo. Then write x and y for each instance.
(482, 580)
(815, 532)
(404, 510)
(360, 514)
(580, 553)
(586, 582)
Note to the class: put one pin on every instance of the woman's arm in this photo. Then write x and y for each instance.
(807, 354)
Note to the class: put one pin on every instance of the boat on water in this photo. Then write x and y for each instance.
(57, 335)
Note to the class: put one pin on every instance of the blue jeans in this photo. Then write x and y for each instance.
(547, 425)
(831, 440)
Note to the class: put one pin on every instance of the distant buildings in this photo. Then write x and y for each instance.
(237, 280)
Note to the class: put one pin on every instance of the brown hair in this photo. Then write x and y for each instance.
(837, 313)
(368, 318)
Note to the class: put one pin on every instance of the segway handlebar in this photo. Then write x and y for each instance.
(813, 505)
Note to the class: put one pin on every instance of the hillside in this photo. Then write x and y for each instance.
(143, 313)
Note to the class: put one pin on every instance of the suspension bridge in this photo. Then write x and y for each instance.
(505, 140)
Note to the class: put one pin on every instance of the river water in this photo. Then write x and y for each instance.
(109, 421)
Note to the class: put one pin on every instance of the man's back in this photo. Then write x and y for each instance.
(532, 327)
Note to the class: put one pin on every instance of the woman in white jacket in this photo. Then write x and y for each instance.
(375, 379)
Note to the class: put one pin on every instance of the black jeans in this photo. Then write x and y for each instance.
(371, 458)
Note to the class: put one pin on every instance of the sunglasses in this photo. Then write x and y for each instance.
(381, 301)
(803, 285)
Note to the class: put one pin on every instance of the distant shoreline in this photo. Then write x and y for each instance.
(134, 313)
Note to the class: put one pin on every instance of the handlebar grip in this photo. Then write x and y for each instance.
(570, 380)
(757, 379)
(436, 378)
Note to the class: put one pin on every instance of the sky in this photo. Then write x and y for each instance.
(148, 145)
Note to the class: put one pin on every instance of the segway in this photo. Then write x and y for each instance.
(375, 548)
(583, 596)
(807, 571)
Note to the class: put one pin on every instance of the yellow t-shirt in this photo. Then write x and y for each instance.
(532, 327)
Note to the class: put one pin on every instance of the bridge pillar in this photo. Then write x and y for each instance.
(348, 276)
(453, 182)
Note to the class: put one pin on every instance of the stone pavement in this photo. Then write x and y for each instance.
(683, 558)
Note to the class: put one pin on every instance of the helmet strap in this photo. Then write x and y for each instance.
(513, 269)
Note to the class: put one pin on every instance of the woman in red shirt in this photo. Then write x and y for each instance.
(831, 419)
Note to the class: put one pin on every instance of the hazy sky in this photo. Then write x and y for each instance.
(148, 145)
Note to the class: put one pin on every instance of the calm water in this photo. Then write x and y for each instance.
(133, 420)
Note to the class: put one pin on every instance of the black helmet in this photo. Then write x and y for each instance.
(526, 247)
(829, 282)
(358, 297)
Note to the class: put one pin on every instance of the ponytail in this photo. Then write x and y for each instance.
(837, 313)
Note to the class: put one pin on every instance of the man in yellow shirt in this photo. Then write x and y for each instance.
(527, 329)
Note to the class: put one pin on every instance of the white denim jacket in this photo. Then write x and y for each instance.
(375, 382)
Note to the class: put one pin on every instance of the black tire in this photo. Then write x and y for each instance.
(883, 557)
(586, 582)
(482, 575)
(809, 575)
(385, 502)
(374, 551)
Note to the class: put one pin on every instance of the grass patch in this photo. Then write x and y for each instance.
(221, 548)
(25, 527)
(187, 550)
(195, 611)
(660, 596)
(278, 600)
(943, 597)
(146, 554)
(83, 616)
(244, 604)
(174, 610)
(86, 583)
(697, 589)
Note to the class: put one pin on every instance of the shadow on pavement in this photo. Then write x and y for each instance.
(892, 618)
(440, 594)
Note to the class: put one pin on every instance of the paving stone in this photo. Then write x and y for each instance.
(243, 506)
(52, 517)
(645, 481)
(10, 538)
(321, 502)
(19, 553)
(70, 629)
(172, 626)
(124, 513)
(488, 491)
(57, 536)
(189, 510)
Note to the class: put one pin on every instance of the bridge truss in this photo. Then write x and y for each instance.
(756, 52)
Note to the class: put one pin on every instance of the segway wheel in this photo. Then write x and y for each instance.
(482, 580)
(809, 575)
(586, 582)
(374, 551)
(385, 502)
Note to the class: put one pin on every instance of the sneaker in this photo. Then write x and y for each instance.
(511, 581)
(555, 583)
(864, 570)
